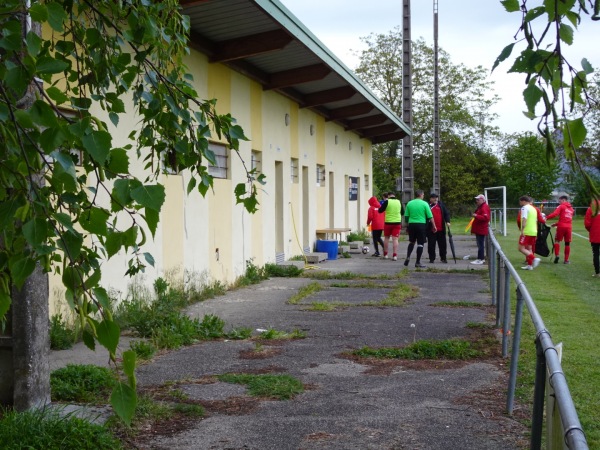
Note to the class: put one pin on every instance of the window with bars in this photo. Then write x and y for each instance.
(256, 162)
(294, 170)
(320, 175)
(219, 169)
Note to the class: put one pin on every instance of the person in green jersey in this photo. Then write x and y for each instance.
(392, 225)
(418, 214)
(528, 236)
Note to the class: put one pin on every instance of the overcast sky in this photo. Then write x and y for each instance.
(473, 32)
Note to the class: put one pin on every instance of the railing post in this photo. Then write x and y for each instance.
(506, 303)
(514, 360)
(539, 391)
(493, 269)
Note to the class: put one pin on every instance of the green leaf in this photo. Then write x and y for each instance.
(574, 132)
(8, 209)
(149, 258)
(36, 232)
(120, 195)
(49, 65)
(129, 363)
(114, 242)
(93, 279)
(57, 95)
(503, 55)
(52, 138)
(71, 244)
(94, 221)
(38, 12)
(20, 268)
(511, 5)
(149, 196)
(102, 297)
(152, 218)
(72, 277)
(97, 144)
(108, 335)
(118, 161)
(65, 221)
(587, 67)
(124, 402)
(66, 162)
(56, 16)
(5, 301)
(88, 339)
(532, 95)
(566, 33)
(34, 44)
(534, 13)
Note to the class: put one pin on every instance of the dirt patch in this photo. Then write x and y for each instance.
(233, 406)
(263, 353)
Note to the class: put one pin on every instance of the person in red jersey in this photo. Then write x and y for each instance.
(592, 224)
(564, 227)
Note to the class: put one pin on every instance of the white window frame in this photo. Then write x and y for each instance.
(221, 169)
(320, 175)
(294, 170)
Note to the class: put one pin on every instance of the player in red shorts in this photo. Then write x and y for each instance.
(564, 227)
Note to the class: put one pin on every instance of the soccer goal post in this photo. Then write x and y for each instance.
(498, 213)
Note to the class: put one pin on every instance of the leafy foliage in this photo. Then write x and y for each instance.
(555, 86)
(526, 171)
(69, 197)
(62, 336)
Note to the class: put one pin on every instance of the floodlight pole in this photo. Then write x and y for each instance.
(407, 143)
(436, 104)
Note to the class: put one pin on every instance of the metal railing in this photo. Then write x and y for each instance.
(548, 366)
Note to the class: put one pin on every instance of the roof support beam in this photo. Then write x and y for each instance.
(376, 131)
(252, 45)
(331, 95)
(299, 75)
(364, 122)
(351, 111)
(388, 137)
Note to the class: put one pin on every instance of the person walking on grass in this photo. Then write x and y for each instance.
(418, 214)
(564, 227)
(592, 224)
(480, 227)
(392, 225)
(441, 217)
(376, 220)
(528, 235)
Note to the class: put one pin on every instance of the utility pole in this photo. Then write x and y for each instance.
(407, 148)
(436, 104)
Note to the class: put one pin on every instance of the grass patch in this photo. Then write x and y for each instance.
(82, 384)
(62, 335)
(239, 334)
(479, 326)
(144, 351)
(47, 429)
(459, 304)
(304, 292)
(456, 349)
(275, 270)
(327, 275)
(366, 285)
(281, 387)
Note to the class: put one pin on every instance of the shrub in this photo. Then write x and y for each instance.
(62, 336)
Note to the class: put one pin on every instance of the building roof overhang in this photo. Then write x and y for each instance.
(264, 41)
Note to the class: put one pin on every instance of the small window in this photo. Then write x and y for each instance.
(219, 169)
(367, 188)
(294, 170)
(320, 175)
(256, 162)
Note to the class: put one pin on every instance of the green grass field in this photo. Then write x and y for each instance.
(568, 299)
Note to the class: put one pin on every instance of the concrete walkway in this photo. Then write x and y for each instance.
(348, 403)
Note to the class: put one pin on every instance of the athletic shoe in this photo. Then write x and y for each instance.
(376, 254)
(527, 268)
(596, 275)
(385, 256)
(444, 261)
(431, 261)
(406, 261)
(395, 258)
(478, 262)
(556, 260)
(567, 262)
(420, 266)
(536, 262)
